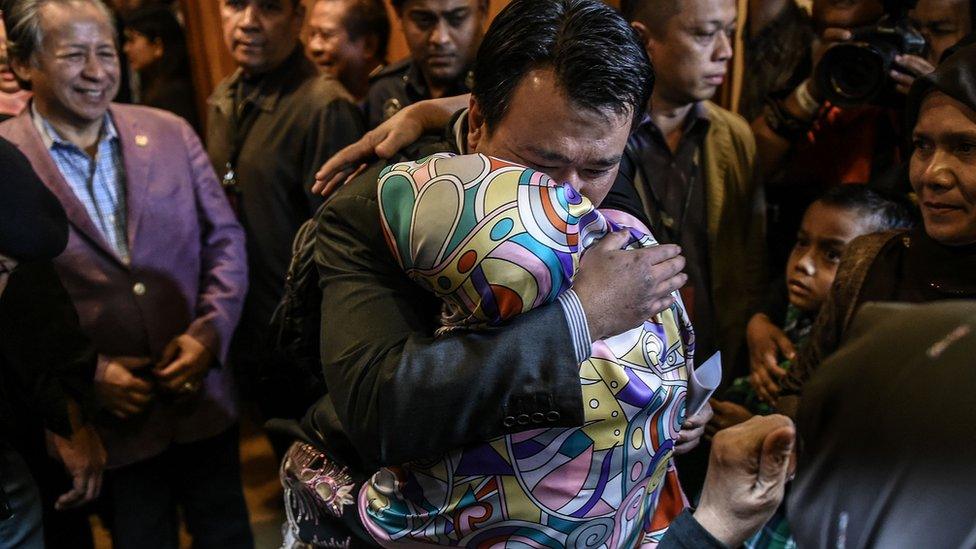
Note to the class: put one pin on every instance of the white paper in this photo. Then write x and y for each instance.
(702, 383)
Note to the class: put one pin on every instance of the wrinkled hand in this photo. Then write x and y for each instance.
(692, 430)
(620, 289)
(383, 141)
(185, 361)
(121, 392)
(913, 67)
(726, 414)
(84, 458)
(387, 139)
(768, 346)
(747, 473)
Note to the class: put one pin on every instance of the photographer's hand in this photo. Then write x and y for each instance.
(912, 67)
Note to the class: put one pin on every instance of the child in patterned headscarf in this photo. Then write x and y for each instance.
(494, 240)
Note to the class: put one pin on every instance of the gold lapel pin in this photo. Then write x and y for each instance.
(142, 140)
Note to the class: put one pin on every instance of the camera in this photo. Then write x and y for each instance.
(856, 72)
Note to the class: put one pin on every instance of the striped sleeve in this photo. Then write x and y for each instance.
(578, 328)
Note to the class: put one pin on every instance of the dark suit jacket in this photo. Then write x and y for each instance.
(187, 272)
(300, 119)
(398, 393)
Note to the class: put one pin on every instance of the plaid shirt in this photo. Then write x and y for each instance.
(99, 182)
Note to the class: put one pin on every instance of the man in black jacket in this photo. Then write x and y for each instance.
(46, 364)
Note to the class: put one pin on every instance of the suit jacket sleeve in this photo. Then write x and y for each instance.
(223, 259)
(337, 126)
(401, 394)
(50, 359)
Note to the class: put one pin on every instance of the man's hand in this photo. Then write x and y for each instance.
(121, 392)
(768, 345)
(692, 430)
(620, 289)
(184, 364)
(727, 414)
(84, 458)
(913, 67)
(746, 477)
(385, 140)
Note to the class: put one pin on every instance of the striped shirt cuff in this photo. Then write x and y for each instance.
(579, 330)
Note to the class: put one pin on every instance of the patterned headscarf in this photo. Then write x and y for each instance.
(494, 239)
(490, 238)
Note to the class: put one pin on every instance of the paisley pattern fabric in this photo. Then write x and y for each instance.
(494, 239)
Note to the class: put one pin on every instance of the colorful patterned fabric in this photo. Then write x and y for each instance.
(493, 240)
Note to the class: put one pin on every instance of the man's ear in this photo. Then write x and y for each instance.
(23, 71)
(642, 30)
(476, 125)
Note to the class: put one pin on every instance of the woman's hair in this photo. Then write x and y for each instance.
(159, 23)
(886, 210)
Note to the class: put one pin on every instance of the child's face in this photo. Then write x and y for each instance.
(823, 236)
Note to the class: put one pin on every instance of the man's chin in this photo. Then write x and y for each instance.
(442, 75)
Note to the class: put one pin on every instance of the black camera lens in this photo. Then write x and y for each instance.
(852, 73)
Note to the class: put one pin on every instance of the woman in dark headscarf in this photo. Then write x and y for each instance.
(936, 261)
(155, 46)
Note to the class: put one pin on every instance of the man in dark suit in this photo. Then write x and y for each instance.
(398, 394)
(155, 266)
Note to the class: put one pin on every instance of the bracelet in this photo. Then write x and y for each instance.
(805, 99)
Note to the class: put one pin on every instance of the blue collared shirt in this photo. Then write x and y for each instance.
(99, 182)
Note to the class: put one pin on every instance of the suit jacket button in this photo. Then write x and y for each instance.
(523, 419)
(509, 421)
(139, 289)
(553, 416)
(538, 417)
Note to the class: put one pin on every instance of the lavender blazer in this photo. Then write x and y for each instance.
(187, 274)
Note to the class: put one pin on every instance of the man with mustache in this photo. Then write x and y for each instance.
(443, 37)
(270, 126)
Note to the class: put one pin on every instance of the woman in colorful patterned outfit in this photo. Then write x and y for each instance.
(494, 240)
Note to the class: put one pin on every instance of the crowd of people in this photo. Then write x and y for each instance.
(470, 291)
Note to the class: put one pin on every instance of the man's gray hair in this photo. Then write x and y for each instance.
(23, 22)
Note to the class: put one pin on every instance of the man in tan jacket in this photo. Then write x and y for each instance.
(691, 165)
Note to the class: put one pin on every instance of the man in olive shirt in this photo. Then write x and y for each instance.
(443, 37)
(270, 126)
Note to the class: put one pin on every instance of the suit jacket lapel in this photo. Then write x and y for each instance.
(40, 158)
(135, 145)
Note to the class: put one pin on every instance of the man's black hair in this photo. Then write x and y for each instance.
(885, 209)
(598, 60)
(368, 18)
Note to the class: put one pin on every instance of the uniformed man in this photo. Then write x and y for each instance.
(443, 37)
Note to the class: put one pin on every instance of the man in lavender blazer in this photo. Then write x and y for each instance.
(156, 267)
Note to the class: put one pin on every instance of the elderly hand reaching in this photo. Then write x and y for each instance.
(386, 140)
